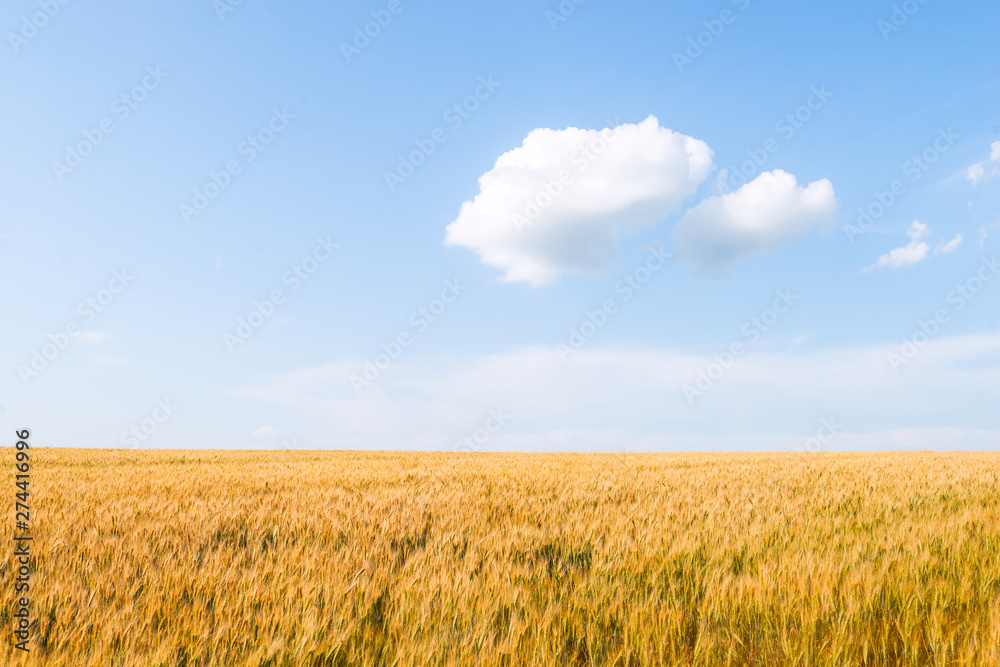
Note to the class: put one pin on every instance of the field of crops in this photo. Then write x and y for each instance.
(347, 558)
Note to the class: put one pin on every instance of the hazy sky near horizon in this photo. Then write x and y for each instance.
(501, 226)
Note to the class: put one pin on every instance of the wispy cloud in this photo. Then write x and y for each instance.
(914, 251)
(978, 173)
(944, 248)
(610, 399)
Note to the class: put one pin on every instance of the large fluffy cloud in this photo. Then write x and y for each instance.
(761, 216)
(561, 201)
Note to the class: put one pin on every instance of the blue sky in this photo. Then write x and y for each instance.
(875, 346)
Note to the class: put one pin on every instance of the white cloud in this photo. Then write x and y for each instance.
(614, 400)
(943, 248)
(614, 183)
(913, 252)
(916, 250)
(984, 231)
(760, 216)
(976, 173)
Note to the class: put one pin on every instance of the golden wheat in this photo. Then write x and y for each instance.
(347, 558)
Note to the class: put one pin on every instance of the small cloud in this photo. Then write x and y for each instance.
(914, 251)
(106, 361)
(218, 262)
(984, 231)
(90, 337)
(976, 173)
(945, 248)
(266, 431)
(759, 217)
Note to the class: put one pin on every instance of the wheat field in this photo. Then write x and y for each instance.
(348, 558)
